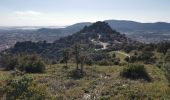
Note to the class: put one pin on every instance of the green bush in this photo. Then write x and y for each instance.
(105, 63)
(31, 64)
(167, 56)
(104, 98)
(133, 59)
(146, 56)
(28, 63)
(166, 69)
(166, 64)
(89, 61)
(159, 64)
(8, 62)
(127, 59)
(135, 71)
(24, 89)
(116, 61)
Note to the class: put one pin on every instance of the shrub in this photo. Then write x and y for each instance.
(133, 59)
(134, 71)
(167, 56)
(105, 63)
(76, 74)
(113, 55)
(9, 62)
(116, 61)
(28, 63)
(24, 89)
(159, 64)
(35, 67)
(98, 56)
(136, 95)
(31, 64)
(129, 48)
(145, 56)
(89, 61)
(104, 98)
(166, 69)
(127, 59)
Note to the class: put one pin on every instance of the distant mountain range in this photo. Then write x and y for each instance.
(137, 26)
(143, 32)
(96, 37)
(125, 26)
(120, 25)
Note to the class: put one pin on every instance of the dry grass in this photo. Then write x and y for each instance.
(100, 82)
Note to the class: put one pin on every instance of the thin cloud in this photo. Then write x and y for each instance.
(27, 13)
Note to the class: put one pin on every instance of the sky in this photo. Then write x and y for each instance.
(66, 12)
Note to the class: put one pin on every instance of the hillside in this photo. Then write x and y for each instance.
(125, 25)
(96, 63)
(96, 37)
(107, 34)
(100, 82)
(143, 32)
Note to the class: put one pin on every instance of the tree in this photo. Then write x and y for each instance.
(77, 54)
(163, 47)
(82, 60)
(66, 56)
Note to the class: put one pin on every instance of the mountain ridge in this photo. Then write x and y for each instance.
(119, 25)
(98, 36)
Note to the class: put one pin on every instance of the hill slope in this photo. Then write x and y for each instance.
(98, 36)
(144, 32)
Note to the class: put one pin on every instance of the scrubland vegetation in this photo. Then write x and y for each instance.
(103, 79)
(68, 70)
(98, 82)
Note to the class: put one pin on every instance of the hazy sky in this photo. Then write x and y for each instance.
(65, 12)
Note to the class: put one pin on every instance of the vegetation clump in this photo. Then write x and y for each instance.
(31, 64)
(26, 63)
(25, 89)
(135, 71)
(105, 63)
(9, 62)
(166, 69)
(165, 65)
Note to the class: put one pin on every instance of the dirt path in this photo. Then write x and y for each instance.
(123, 53)
(104, 44)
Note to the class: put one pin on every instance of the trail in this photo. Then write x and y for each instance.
(104, 44)
(123, 53)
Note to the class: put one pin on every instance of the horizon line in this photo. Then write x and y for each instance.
(82, 22)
